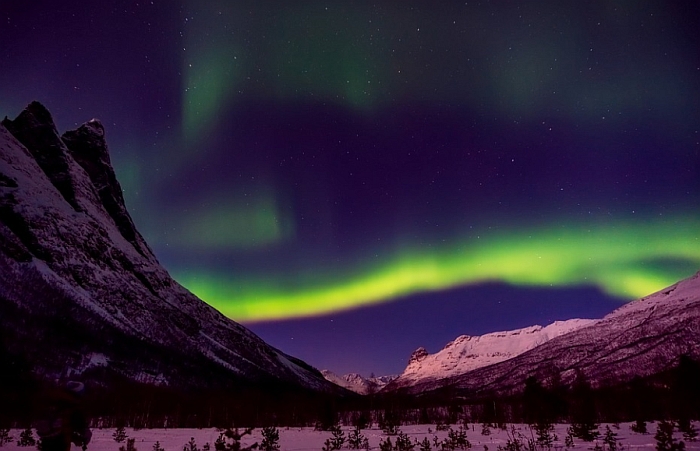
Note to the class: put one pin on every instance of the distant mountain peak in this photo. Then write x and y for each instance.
(357, 383)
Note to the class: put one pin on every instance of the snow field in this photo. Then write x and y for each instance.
(307, 439)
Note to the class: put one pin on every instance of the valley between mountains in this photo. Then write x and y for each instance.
(82, 295)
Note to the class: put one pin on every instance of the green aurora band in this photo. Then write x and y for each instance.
(627, 260)
(230, 223)
(337, 55)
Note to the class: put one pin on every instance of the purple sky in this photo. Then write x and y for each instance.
(381, 177)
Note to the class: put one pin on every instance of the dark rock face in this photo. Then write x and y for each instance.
(88, 147)
(81, 290)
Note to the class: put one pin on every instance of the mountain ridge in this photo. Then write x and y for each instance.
(467, 353)
(642, 338)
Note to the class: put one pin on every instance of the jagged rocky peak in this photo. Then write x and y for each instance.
(33, 118)
(418, 355)
(90, 138)
(35, 129)
(87, 145)
(62, 158)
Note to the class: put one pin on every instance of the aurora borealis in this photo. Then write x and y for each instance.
(310, 167)
(627, 263)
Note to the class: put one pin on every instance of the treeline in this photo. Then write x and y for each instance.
(120, 402)
(111, 400)
(674, 395)
(244, 406)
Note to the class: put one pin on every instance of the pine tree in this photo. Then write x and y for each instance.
(386, 445)
(235, 437)
(425, 445)
(610, 439)
(220, 443)
(271, 439)
(640, 427)
(191, 445)
(5, 436)
(356, 440)
(545, 434)
(130, 445)
(119, 434)
(403, 443)
(664, 438)
(337, 439)
(689, 431)
(458, 439)
(585, 431)
(26, 438)
(157, 447)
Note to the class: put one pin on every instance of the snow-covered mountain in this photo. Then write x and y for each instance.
(82, 292)
(640, 339)
(357, 383)
(467, 353)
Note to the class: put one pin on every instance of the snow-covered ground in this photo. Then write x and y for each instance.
(296, 439)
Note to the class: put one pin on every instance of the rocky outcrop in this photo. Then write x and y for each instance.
(418, 356)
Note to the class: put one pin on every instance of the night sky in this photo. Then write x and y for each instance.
(352, 180)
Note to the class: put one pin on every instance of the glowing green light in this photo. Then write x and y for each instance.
(231, 224)
(620, 260)
(213, 64)
(210, 82)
